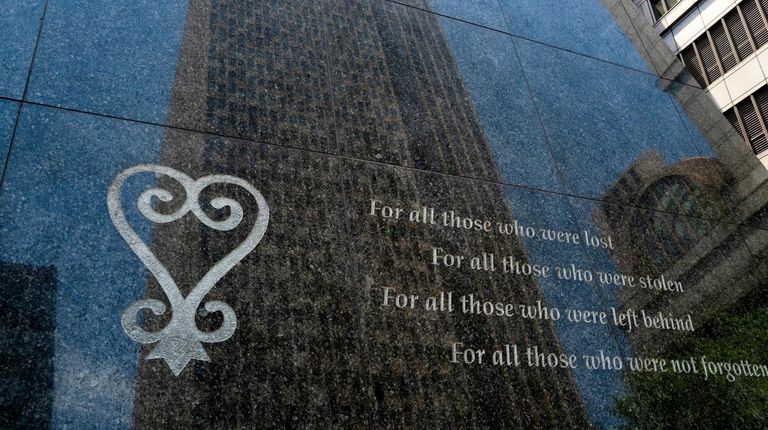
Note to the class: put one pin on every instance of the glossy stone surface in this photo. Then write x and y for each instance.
(57, 177)
(596, 135)
(395, 256)
(8, 112)
(20, 22)
(586, 28)
(550, 160)
(110, 58)
(95, 363)
(443, 112)
(482, 12)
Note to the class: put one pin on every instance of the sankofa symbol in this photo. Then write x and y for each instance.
(181, 341)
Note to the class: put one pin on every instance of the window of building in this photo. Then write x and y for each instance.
(661, 7)
(665, 239)
(737, 35)
(748, 117)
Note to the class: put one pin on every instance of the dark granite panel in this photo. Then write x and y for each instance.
(554, 237)
(703, 255)
(54, 214)
(27, 328)
(251, 69)
(742, 181)
(408, 161)
(582, 26)
(408, 350)
(603, 258)
(734, 180)
(722, 270)
(256, 70)
(400, 64)
(645, 38)
(293, 358)
(20, 22)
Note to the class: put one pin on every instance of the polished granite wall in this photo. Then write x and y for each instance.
(563, 116)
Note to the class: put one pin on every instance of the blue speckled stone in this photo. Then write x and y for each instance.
(113, 58)
(583, 26)
(20, 23)
(334, 110)
(483, 12)
(8, 112)
(489, 64)
(601, 118)
(53, 207)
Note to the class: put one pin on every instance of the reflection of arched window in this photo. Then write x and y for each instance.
(663, 238)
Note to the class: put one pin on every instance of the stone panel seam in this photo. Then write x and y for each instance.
(7, 161)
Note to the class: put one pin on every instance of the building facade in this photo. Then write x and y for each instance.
(722, 44)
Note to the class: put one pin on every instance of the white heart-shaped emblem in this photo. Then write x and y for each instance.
(181, 341)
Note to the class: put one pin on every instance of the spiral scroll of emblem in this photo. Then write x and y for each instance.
(181, 341)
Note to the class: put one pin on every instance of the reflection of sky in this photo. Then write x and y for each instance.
(482, 12)
(492, 73)
(583, 26)
(53, 207)
(111, 57)
(119, 58)
(20, 21)
(600, 118)
(8, 111)
(599, 389)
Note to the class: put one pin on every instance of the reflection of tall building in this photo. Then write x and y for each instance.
(724, 45)
(312, 350)
(718, 263)
(28, 306)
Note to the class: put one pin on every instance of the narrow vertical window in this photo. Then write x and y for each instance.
(691, 61)
(708, 59)
(731, 116)
(723, 47)
(752, 121)
(755, 22)
(738, 34)
(672, 3)
(761, 101)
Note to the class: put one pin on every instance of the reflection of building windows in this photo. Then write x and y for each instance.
(664, 238)
(661, 7)
(639, 218)
(730, 40)
(748, 117)
(677, 194)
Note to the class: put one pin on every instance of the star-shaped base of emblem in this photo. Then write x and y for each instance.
(177, 352)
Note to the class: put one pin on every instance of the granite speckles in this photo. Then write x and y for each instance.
(586, 28)
(324, 106)
(8, 112)
(20, 22)
(108, 57)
